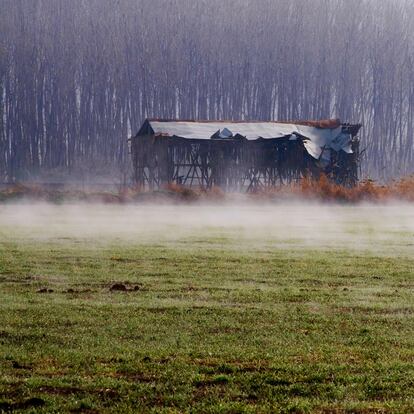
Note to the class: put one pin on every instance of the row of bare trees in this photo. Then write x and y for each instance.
(78, 77)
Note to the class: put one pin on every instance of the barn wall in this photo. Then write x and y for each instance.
(235, 165)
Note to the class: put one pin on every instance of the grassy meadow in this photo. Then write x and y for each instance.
(211, 309)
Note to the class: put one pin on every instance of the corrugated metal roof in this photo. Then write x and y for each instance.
(318, 140)
(205, 130)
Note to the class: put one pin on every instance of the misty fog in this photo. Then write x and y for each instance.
(386, 228)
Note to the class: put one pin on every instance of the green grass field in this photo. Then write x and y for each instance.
(211, 322)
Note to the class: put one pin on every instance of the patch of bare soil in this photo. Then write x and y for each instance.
(45, 290)
(18, 365)
(22, 405)
(75, 291)
(122, 287)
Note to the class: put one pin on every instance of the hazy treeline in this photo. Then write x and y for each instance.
(77, 77)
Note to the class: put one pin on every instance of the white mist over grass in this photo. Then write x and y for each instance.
(387, 228)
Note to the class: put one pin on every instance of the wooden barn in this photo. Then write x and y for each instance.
(243, 156)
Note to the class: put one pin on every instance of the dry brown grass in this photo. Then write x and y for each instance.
(325, 190)
(322, 190)
(366, 190)
(40, 193)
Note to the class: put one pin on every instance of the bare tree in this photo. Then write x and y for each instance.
(77, 78)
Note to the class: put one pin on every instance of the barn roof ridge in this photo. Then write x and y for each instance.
(331, 123)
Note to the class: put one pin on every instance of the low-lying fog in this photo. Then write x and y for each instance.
(387, 228)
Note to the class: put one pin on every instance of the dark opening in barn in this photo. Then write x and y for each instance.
(243, 156)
